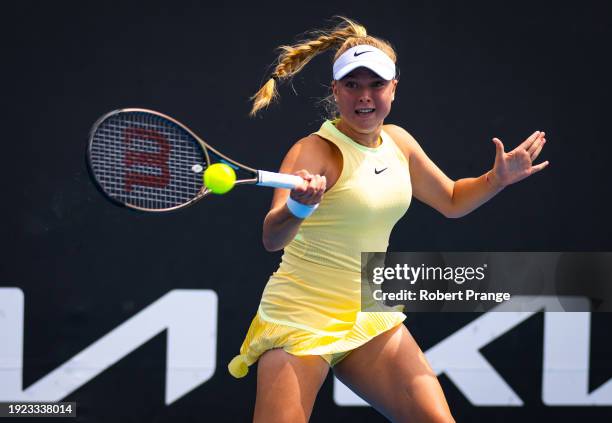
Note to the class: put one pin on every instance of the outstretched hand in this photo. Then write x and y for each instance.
(517, 164)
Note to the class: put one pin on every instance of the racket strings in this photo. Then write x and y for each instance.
(146, 161)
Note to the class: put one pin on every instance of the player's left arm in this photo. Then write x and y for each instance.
(458, 198)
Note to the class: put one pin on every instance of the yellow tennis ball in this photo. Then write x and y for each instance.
(219, 178)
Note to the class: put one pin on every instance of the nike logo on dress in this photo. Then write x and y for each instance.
(376, 171)
(361, 52)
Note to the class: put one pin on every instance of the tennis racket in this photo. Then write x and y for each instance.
(150, 162)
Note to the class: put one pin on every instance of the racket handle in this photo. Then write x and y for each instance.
(278, 180)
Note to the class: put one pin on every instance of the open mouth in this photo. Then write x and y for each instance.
(363, 112)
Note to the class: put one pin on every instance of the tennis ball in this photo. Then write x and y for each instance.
(219, 178)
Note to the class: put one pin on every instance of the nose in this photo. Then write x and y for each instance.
(365, 97)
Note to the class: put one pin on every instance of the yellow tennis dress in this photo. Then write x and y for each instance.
(311, 304)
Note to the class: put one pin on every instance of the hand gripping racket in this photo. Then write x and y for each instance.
(147, 161)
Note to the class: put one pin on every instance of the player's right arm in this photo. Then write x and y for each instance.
(309, 158)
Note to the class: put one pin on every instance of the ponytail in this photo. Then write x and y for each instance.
(294, 57)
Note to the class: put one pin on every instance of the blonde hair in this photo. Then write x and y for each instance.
(293, 58)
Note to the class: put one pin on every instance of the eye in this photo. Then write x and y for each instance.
(350, 84)
(378, 83)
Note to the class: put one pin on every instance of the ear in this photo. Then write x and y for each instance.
(395, 82)
(334, 88)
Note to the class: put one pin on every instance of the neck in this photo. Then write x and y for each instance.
(367, 139)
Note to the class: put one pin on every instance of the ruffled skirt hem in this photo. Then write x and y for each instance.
(264, 335)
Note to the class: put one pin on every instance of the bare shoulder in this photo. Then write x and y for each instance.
(314, 143)
(402, 138)
(312, 153)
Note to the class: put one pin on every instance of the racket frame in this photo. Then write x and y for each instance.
(204, 191)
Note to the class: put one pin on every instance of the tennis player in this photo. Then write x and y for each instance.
(360, 175)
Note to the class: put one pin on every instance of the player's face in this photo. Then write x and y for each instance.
(364, 99)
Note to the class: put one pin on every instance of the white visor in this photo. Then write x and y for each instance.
(367, 56)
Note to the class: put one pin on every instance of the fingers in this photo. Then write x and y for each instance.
(306, 176)
(537, 168)
(536, 148)
(311, 192)
(499, 146)
(531, 139)
(536, 142)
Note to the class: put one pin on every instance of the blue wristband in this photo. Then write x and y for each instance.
(299, 210)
